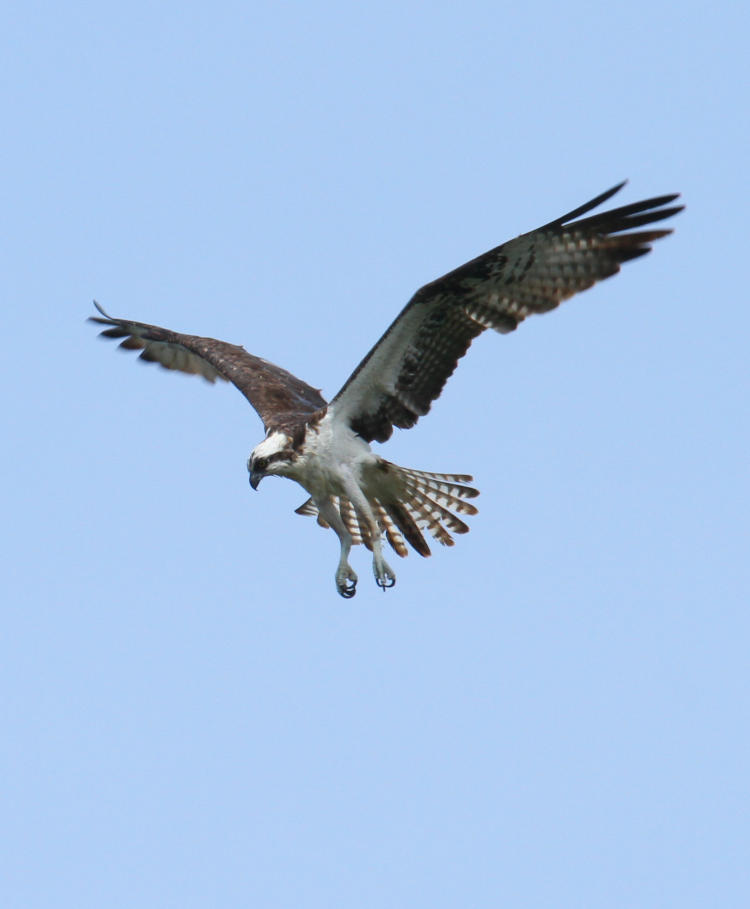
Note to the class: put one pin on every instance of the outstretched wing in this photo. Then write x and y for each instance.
(406, 370)
(271, 390)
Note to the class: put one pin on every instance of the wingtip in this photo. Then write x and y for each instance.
(101, 310)
(586, 207)
(106, 320)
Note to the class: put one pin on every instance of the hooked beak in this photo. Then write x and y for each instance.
(255, 477)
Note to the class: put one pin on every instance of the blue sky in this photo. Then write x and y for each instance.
(552, 713)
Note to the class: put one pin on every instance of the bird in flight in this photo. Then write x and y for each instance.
(325, 447)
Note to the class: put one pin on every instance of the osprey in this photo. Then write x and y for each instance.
(325, 446)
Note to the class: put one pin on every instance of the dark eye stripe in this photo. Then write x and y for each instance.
(262, 463)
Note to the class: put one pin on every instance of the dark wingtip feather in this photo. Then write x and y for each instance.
(102, 312)
(406, 524)
(627, 255)
(626, 217)
(107, 320)
(628, 222)
(587, 206)
(130, 343)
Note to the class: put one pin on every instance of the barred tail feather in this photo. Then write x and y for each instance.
(392, 531)
(406, 502)
(440, 497)
(428, 512)
(427, 501)
(359, 532)
(407, 524)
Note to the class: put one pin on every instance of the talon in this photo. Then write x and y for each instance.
(386, 582)
(347, 587)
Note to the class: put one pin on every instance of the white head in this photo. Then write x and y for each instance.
(271, 457)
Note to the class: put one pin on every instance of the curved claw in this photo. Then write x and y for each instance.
(385, 576)
(346, 585)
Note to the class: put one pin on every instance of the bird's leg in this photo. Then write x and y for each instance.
(346, 579)
(385, 576)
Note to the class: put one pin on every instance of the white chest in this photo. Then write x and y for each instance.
(332, 457)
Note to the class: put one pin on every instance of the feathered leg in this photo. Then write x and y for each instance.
(346, 579)
(385, 576)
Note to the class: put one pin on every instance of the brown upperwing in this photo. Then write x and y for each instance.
(276, 394)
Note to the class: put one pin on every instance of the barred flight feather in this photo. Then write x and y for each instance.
(392, 533)
(408, 526)
(443, 496)
(426, 521)
(359, 531)
(531, 274)
(452, 483)
(423, 507)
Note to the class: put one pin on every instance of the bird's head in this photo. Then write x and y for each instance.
(271, 458)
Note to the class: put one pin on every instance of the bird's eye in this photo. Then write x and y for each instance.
(261, 464)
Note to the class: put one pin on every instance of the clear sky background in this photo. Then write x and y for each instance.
(554, 713)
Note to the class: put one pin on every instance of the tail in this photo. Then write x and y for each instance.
(406, 502)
